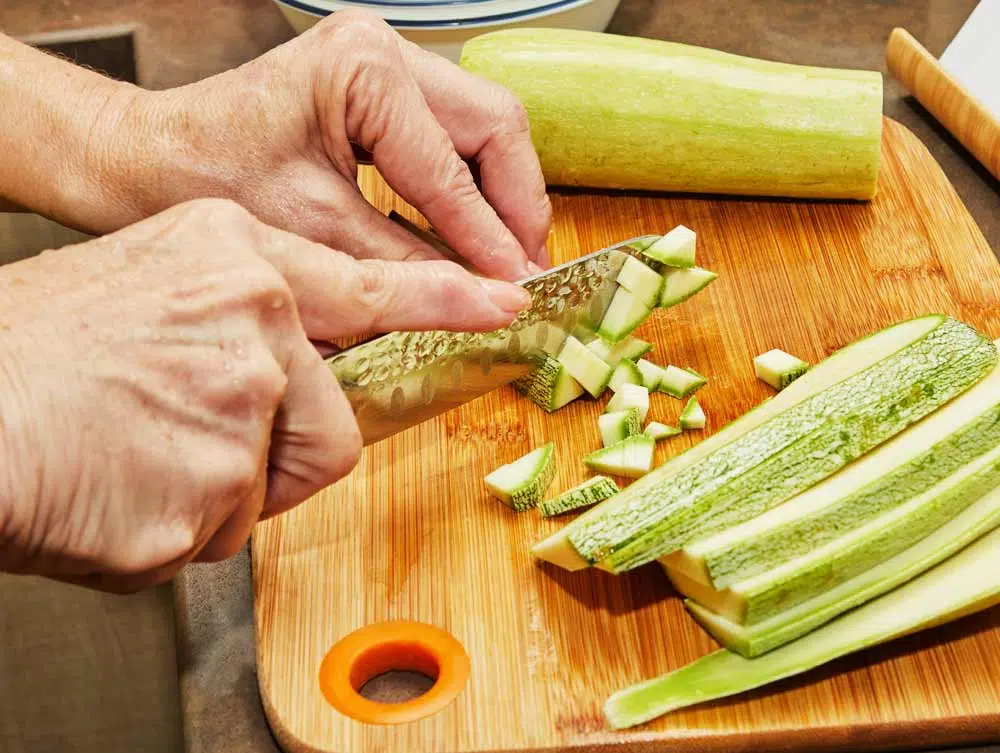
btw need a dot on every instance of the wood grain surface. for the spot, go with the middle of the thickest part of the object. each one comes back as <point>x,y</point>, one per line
<point>412,533</point>
<point>965,116</point>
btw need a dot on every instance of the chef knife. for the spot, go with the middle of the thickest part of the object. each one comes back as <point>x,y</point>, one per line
<point>400,379</point>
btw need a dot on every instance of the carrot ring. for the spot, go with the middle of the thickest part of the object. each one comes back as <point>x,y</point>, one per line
<point>393,645</point>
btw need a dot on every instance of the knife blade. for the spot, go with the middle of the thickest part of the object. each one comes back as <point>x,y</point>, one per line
<point>400,379</point>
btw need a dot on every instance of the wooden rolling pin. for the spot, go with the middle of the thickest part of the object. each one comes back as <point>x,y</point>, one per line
<point>965,117</point>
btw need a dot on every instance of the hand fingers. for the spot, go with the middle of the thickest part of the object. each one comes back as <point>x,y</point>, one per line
<point>338,296</point>
<point>385,113</point>
<point>315,439</point>
<point>356,225</point>
<point>486,122</point>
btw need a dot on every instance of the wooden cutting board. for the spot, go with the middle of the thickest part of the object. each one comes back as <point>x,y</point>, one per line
<point>412,534</point>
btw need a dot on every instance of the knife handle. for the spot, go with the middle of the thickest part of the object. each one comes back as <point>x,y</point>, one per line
<point>965,117</point>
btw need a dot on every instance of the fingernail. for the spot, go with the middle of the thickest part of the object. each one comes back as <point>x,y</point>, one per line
<point>544,260</point>
<point>506,296</point>
<point>533,269</point>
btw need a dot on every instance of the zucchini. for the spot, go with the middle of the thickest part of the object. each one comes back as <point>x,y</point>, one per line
<point>584,366</point>
<point>590,492</point>
<point>630,396</point>
<point>763,596</point>
<point>629,348</point>
<point>675,249</point>
<point>659,431</point>
<point>624,314</point>
<point>626,372</point>
<point>650,372</point>
<point>680,284</point>
<point>967,582</point>
<point>680,383</point>
<point>619,425</point>
<point>632,457</point>
<point>622,112</point>
<point>981,517</point>
<point>644,283</point>
<point>692,417</point>
<point>905,466</point>
<point>521,484</point>
<point>549,386</point>
<point>778,368</point>
<point>849,403</point>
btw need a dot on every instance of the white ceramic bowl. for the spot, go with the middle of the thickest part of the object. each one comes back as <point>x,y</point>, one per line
<point>443,27</point>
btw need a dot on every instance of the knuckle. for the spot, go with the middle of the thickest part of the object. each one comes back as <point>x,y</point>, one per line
<point>374,290</point>
<point>512,115</point>
<point>359,26</point>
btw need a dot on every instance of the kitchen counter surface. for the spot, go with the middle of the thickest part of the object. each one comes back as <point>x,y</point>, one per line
<point>181,40</point>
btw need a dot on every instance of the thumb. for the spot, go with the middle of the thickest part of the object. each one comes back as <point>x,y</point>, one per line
<point>338,296</point>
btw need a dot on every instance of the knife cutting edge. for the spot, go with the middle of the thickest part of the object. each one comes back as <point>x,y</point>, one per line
<point>400,379</point>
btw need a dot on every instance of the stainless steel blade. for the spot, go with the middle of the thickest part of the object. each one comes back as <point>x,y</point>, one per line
<point>398,380</point>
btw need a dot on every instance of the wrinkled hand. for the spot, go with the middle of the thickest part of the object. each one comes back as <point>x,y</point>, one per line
<point>159,393</point>
<point>276,136</point>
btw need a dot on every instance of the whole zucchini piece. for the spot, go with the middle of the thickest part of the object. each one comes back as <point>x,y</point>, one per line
<point>619,112</point>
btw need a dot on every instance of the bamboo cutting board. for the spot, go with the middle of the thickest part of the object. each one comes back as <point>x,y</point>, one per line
<point>412,534</point>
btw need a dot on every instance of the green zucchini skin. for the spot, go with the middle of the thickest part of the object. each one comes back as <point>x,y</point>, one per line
<point>702,120</point>
<point>790,452</point>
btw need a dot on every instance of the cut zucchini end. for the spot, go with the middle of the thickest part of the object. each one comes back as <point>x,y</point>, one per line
<point>644,283</point>
<point>521,484</point>
<point>651,374</point>
<point>675,249</point>
<point>659,431</point>
<point>681,284</point>
<point>629,348</point>
<point>681,383</point>
<point>630,396</point>
<point>693,416</point>
<point>625,313</point>
<point>626,372</point>
<point>778,368</point>
<point>618,425</point>
<point>585,366</point>
<point>631,457</point>
<point>557,550</point>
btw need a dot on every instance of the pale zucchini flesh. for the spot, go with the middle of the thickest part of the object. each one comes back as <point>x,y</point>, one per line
<point>906,465</point>
<point>675,249</point>
<point>626,372</point>
<point>521,484</point>
<point>619,425</point>
<point>981,517</point>
<point>659,431</point>
<point>650,372</point>
<point>701,120</point>
<point>584,366</point>
<point>680,284</point>
<point>630,396</point>
<point>835,369</point>
<point>630,348</point>
<point>778,368</point>
<point>624,314</point>
<point>965,583</point>
<point>631,457</point>
<point>590,492</point>
<point>693,415</point>
<point>678,382</point>
<point>643,282</point>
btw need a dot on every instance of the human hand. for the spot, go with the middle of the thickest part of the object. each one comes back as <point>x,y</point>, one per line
<point>276,136</point>
<point>159,393</point>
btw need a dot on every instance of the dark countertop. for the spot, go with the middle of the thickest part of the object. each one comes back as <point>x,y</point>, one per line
<point>181,40</point>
